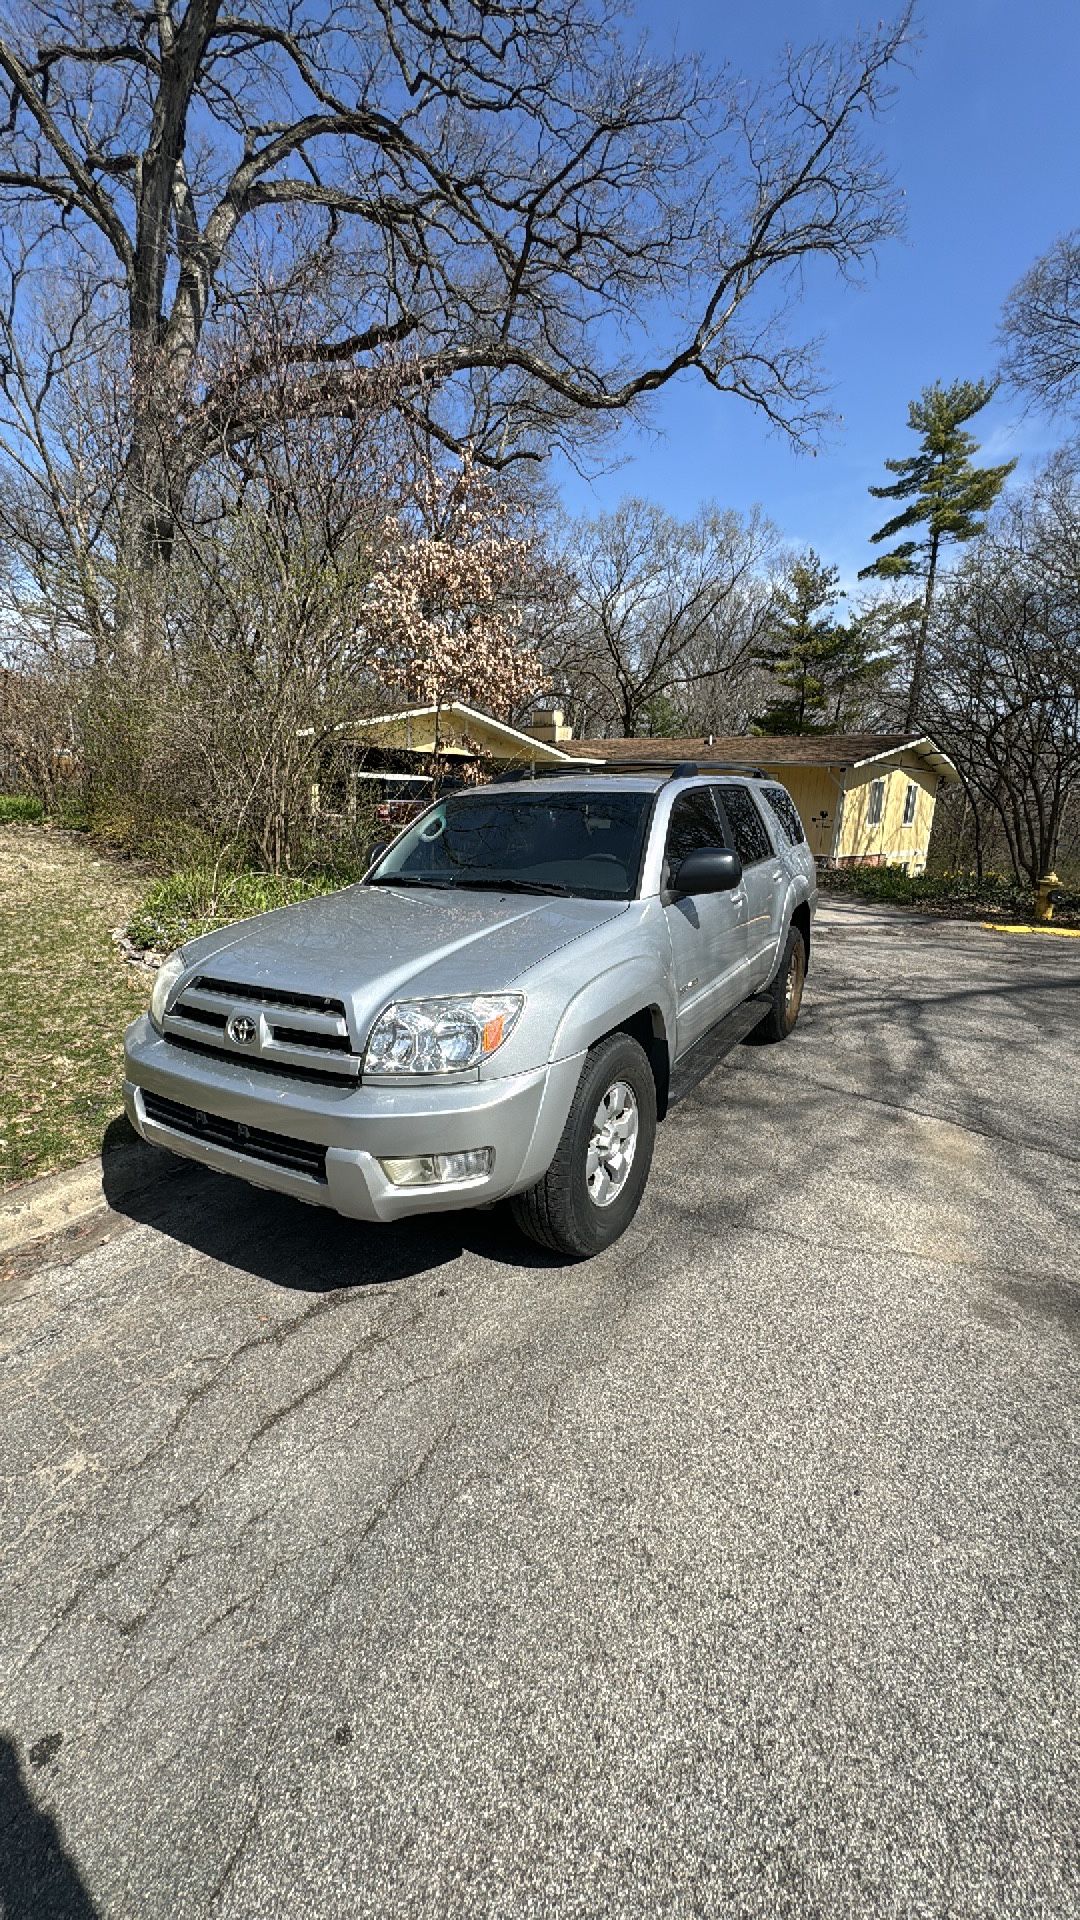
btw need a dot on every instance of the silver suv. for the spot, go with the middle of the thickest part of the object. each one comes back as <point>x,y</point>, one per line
<point>495,1010</point>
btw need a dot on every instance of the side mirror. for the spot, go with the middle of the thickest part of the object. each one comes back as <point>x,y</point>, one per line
<point>708,870</point>
<point>377,851</point>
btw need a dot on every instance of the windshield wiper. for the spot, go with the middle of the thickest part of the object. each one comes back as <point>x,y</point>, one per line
<point>518,886</point>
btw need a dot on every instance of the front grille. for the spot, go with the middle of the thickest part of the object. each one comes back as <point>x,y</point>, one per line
<point>272,996</point>
<point>256,1143</point>
<point>305,1035</point>
<point>234,1058</point>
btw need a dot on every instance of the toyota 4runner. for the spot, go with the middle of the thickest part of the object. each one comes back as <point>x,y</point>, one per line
<point>495,1011</point>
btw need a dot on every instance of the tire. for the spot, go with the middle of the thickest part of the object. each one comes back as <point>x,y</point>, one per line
<point>785,993</point>
<point>562,1211</point>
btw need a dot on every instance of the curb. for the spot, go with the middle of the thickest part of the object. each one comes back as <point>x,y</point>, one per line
<point>1001,926</point>
<point>39,1209</point>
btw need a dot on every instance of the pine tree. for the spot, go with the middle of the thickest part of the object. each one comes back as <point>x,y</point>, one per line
<point>863,669</point>
<point>804,648</point>
<point>947,496</point>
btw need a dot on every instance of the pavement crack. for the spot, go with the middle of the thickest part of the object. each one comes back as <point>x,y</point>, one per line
<point>939,1119</point>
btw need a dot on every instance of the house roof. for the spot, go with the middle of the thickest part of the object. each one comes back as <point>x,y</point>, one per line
<point>770,750</point>
<point>511,742</point>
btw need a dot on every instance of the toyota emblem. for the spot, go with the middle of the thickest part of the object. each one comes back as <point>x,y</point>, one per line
<point>241,1030</point>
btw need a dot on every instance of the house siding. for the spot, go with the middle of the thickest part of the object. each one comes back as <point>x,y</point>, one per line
<point>816,792</point>
<point>889,843</point>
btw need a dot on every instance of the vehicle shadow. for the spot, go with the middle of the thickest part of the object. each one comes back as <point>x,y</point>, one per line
<point>38,1878</point>
<point>277,1239</point>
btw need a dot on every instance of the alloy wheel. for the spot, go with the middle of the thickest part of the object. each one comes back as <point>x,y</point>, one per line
<point>612,1144</point>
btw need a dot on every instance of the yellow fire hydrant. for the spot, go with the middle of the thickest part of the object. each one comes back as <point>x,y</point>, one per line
<point>1044,896</point>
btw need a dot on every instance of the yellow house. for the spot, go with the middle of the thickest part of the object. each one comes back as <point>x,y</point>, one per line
<point>865,798</point>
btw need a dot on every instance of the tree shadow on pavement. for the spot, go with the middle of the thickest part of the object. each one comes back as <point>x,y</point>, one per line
<point>306,1249</point>
<point>38,1878</point>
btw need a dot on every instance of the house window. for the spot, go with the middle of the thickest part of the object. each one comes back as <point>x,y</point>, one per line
<point>911,801</point>
<point>875,804</point>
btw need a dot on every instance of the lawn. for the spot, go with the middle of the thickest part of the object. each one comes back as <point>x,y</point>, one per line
<point>65,996</point>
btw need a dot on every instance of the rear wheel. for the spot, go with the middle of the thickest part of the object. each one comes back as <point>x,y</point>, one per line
<point>593,1187</point>
<point>786,992</point>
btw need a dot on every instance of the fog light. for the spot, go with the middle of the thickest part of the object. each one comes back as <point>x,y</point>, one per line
<point>435,1169</point>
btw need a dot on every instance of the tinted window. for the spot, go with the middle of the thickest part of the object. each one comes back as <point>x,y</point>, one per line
<point>748,831</point>
<point>787,813</point>
<point>583,843</point>
<point>694,823</point>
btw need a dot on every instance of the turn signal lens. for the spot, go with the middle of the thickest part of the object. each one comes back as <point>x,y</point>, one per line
<point>493,1033</point>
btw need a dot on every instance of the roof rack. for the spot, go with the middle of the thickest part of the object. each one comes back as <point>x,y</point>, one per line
<point>683,770</point>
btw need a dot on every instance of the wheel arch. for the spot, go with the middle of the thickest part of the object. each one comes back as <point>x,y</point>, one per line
<point>648,1029</point>
<point>801,918</point>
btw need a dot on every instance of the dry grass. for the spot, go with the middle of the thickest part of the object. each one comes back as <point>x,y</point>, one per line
<point>65,996</point>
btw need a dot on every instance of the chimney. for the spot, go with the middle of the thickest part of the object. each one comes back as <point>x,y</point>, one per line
<point>549,727</point>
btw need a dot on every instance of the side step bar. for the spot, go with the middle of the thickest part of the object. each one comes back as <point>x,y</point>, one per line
<point>695,1065</point>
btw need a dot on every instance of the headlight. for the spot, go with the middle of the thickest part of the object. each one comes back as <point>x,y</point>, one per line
<point>167,977</point>
<point>440,1036</point>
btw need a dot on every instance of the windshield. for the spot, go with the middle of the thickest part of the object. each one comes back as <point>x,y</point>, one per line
<point>587,844</point>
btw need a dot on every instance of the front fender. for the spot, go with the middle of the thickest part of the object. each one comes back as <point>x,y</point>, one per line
<point>612,997</point>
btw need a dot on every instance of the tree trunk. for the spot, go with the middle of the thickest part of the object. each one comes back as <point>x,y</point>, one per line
<point>914,703</point>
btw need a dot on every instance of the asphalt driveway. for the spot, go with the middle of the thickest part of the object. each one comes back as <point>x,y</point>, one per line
<point>356,1572</point>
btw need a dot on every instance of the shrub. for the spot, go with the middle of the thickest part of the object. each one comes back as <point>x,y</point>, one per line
<point>995,893</point>
<point>185,904</point>
<point>20,806</point>
<point>69,811</point>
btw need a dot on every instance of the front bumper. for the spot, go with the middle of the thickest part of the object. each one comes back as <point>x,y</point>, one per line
<point>521,1116</point>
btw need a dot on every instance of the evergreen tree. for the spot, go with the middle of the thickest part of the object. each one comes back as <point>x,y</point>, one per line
<point>946,494</point>
<point>804,648</point>
<point>863,671</point>
<point>664,719</point>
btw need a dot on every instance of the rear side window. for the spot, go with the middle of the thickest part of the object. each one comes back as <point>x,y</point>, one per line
<point>694,823</point>
<point>787,814</point>
<point>748,829</point>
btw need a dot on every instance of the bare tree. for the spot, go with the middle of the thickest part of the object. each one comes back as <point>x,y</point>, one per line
<point>663,617</point>
<point>1004,675</point>
<point>1040,328</point>
<point>318,566</point>
<point>468,185</point>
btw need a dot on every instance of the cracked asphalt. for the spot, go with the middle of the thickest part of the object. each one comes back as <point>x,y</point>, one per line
<point>390,1572</point>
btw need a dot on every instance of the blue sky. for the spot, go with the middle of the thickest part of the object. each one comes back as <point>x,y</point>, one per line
<point>984,137</point>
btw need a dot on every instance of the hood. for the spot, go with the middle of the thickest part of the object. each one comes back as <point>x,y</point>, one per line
<point>367,946</point>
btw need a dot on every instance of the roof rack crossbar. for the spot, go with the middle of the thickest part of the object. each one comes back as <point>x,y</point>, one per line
<point>683,770</point>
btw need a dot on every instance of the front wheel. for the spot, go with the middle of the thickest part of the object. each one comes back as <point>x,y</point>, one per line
<point>785,994</point>
<point>593,1187</point>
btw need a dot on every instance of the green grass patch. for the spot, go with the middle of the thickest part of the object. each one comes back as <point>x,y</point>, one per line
<point>24,807</point>
<point>65,997</point>
<point>994,896</point>
<point>183,905</point>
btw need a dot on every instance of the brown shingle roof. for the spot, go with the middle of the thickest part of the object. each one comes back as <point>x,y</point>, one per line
<point>748,750</point>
